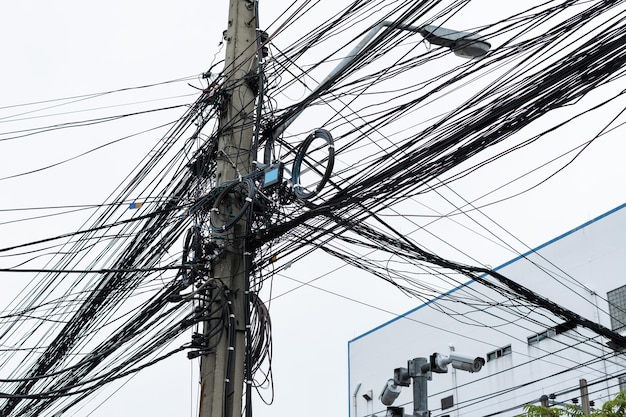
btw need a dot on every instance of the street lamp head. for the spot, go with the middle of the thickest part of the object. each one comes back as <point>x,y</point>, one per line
<point>464,44</point>
<point>472,49</point>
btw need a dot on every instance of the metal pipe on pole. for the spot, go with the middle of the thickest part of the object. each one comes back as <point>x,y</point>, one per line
<point>222,369</point>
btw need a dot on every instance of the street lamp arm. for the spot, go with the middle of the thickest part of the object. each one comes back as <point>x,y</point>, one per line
<point>463,44</point>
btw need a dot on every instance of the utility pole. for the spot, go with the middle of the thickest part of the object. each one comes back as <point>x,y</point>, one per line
<point>584,396</point>
<point>222,369</point>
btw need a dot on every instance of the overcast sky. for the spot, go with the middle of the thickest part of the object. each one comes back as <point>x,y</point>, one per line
<point>69,48</point>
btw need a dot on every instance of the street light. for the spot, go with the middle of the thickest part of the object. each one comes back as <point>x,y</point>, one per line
<point>463,44</point>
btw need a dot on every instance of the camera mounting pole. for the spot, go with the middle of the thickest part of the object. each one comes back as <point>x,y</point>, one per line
<point>420,371</point>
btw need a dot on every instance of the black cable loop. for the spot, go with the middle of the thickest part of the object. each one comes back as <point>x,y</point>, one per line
<point>297,164</point>
<point>192,246</point>
<point>244,208</point>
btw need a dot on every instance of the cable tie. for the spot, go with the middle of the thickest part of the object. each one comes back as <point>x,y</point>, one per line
<point>247,253</point>
<point>248,199</point>
<point>231,348</point>
<point>227,380</point>
<point>331,146</point>
<point>232,316</point>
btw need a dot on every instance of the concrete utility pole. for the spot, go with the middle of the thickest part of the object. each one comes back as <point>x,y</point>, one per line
<point>222,371</point>
<point>584,396</point>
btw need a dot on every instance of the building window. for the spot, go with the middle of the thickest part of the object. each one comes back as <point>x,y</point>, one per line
<point>540,336</point>
<point>499,353</point>
<point>447,402</point>
<point>617,308</point>
<point>551,332</point>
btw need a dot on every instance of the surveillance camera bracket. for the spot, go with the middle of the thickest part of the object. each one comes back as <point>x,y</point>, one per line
<point>401,377</point>
<point>420,367</point>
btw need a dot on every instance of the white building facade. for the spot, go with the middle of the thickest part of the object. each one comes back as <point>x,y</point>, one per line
<point>529,352</point>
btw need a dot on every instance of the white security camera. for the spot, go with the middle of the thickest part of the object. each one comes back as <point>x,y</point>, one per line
<point>466,362</point>
<point>389,393</point>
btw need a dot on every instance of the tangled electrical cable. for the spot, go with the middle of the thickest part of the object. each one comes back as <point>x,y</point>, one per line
<point>238,193</point>
<point>385,157</point>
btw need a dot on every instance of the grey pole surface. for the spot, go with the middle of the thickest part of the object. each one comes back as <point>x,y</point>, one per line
<point>222,371</point>
<point>584,396</point>
<point>419,371</point>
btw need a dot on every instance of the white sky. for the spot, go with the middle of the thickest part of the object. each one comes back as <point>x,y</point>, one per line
<point>67,48</point>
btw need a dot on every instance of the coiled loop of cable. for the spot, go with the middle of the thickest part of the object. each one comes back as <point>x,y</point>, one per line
<point>246,202</point>
<point>193,253</point>
<point>296,174</point>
